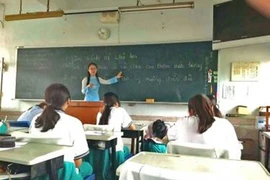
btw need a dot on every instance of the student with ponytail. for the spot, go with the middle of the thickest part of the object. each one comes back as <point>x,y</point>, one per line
<point>54,121</point>
<point>116,117</point>
<point>202,127</point>
<point>214,105</point>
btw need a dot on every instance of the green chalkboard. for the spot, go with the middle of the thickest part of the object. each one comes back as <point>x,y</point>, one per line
<point>165,72</point>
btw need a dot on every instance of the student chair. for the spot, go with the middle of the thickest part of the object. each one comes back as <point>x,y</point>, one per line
<point>194,149</point>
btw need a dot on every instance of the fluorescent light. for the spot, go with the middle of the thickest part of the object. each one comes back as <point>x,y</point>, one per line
<point>34,15</point>
<point>162,6</point>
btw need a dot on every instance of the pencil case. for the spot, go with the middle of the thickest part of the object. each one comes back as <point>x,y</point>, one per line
<point>7,141</point>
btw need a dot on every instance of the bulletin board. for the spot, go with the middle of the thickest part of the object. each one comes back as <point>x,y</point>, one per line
<point>245,71</point>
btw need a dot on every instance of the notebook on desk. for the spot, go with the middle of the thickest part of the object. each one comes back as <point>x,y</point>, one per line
<point>39,138</point>
<point>92,127</point>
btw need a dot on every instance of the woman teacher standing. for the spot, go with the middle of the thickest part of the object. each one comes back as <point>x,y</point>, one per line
<point>91,83</point>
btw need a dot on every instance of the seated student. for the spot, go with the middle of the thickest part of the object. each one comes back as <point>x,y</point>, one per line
<point>54,121</point>
<point>213,103</point>
<point>125,148</point>
<point>155,143</point>
<point>202,127</point>
<point>118,118</point>
<point>32,112</point>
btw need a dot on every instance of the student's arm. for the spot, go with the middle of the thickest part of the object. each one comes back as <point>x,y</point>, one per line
<point>149,131</point>
<point>78,163</point>
<point>98,118</point>
<point>22,116</point>
<point>80,146</point>
<point>172,134</point>
<point>165,140</point>
<point>132,127</point>
<point>127,121</point>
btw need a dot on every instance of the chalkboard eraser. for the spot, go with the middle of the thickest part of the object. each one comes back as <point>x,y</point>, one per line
<point>150,100</point>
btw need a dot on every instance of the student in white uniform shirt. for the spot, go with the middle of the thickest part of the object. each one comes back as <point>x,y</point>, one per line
<point>54,121</point>
<point>117,117</point>
<point>202,127</point>
<point>32,112</point>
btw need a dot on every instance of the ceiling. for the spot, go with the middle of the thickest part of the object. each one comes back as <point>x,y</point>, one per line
<point>74,6</point>
<point>92,5</point>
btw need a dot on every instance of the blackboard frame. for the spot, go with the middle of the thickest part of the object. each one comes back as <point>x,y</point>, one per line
<point>213,88</point>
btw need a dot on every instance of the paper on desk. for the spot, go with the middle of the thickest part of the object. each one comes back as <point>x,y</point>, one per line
<point>104,133</point>
<point>93,127</point>
<point>39,138</point>
<point>94,133</point>
<point>22,135</point>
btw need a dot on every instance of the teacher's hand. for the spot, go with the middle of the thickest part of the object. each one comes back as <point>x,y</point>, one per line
<point>90,85</point>
<point>119,75</point>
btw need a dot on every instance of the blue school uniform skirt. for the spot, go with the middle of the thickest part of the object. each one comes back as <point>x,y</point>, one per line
<point>68,172</point>
<point>101,162</point>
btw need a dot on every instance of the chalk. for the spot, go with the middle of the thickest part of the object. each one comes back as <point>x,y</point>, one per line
<point>148,100</point>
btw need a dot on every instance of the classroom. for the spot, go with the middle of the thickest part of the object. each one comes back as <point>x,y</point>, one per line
<point>79,27</point>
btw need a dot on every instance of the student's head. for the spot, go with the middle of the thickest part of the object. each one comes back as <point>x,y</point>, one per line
<point>57,97</point>
<point>110,100</point>
<point>159,129</point>
<point>199,105</point>
<point>92,69</point>
<point>213,103</point>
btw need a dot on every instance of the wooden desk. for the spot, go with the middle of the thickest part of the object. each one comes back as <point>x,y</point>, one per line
<point>135,135</point>
<point>41,158</point>
<point>189,167</point>
<point>85,111</point>
<point>110,141</point>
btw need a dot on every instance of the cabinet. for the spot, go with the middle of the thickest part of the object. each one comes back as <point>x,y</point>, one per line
<point>235,20</point>
<point>248,149</point>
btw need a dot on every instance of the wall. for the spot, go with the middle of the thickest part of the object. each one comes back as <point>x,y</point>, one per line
<point>134,28</point>
<point>251,94</point>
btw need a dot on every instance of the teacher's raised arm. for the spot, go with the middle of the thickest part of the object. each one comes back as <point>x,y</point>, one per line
<point>91,83</point>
